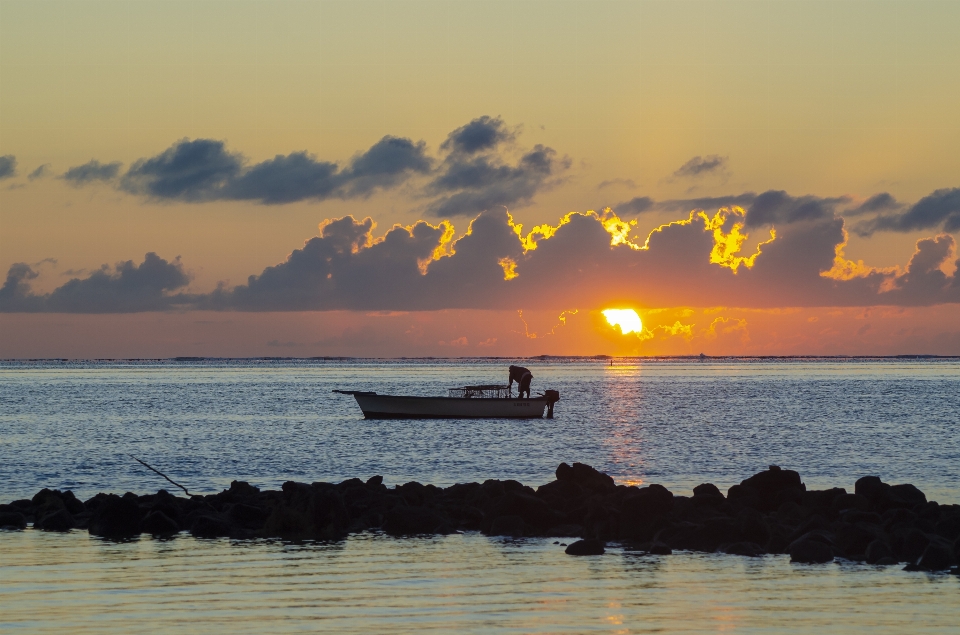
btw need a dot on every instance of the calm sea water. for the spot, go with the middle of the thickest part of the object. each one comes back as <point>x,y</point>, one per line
<point>675,422</point>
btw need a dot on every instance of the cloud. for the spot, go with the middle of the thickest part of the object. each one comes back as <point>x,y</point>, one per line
<point>636,206</point>
<point>91,171</point>
<point>479,168</point>
<point>777,207</point>
<point>709,202</point>
<point>40,172</point>
<point>629,183</point>
<point>188,170</point>
<point>476,175</point>
<point>481,134</point>
<point>124,288</point>
<point>939,209</point>
<point>8,166</point>
<point>924,276</point>
<point>876,203</point>
<point>700,166</point>
<point>470,184</point>
<point>773,207</point>
<point>792,256</point>
<point>204,170</point>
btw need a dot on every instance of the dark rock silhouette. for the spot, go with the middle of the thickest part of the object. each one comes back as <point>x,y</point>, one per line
<point>811,551</point>
<point>771,512</point>
<point>159,524</point>
<point>59,520</point>
<point>586,547</point>
<point>114,516</point>
<point>935,558</point>
<point>12,520</point>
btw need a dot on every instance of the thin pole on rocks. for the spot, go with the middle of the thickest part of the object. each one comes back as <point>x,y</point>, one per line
<point>149,467</point>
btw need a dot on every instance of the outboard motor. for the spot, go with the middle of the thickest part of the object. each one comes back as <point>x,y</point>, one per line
<point>553,397</point>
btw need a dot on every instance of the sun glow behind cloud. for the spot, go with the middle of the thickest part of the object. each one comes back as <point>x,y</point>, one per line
<point>626,319</point>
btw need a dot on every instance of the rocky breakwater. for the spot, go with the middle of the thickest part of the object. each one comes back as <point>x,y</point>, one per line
<point>769,513</point>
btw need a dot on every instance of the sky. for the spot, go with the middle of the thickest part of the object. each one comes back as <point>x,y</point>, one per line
<point>478,178</point>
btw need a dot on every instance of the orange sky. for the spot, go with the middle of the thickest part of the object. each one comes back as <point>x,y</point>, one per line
<point>245,143</point>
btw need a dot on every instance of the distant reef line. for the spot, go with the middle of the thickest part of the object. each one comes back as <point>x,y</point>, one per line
<point>496,358</point>
<point>771,512</point>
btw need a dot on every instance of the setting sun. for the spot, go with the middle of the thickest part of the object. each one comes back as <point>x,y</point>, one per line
<point>626,319</point>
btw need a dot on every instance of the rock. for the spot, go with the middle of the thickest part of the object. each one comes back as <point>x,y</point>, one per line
<point>241,490</point>
<point>707,490</point>
<point>59,520</point>
<point>913,545</point>
<point>854,516</point>
<point>870,487</point>
<point>676,534</point>
<point>744,496</point>
<point>566,531</point>
<point>907,493</point>
<point>405,520</point>
<point>886,561</point>
<point>806,550</point>
<point>12,520</point>
<point>657,548</point>
<point>935,558</point>
<point>533,510</point>
<point>750,549</point>
<point>850,501</point>
<point>852,540</point>
<point>790,513</point>
<point>248,515</point>
<point>929,511</point>
<point>792,495</point>
<point>645,502</point>
<point>771,483</point>
<point>816,523</point>
<point>586,547</point>
<point>375,481</point>
<point>210,526</point>
<point>307,511</point>
<point>512,526</point>
<point>115,517</point>
<point>413,493</point>
<point>897,517</point>
<point>949,527</point>
<point>878,550</point>
<point>584,476</point>
<point>159,524</point>
<point>821,500</point>
<point>780,538</point>
<point>712,534</point>
<point>752,526</point>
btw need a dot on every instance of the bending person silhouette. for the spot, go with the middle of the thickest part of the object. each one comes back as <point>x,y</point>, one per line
<point>523,378</point>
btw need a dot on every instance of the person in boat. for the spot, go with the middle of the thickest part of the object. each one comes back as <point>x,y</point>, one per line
<point>523,377</point>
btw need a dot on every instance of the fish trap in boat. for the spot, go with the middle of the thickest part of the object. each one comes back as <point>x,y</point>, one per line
<point>481,392</point>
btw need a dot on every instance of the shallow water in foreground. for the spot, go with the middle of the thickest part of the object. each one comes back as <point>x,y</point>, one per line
<point>459,583</point>
<point>680,423</point>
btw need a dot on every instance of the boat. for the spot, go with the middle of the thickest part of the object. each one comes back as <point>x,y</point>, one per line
<point>465,402</point>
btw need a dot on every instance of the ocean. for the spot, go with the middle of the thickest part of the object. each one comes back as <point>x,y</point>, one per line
<point>677,422</point>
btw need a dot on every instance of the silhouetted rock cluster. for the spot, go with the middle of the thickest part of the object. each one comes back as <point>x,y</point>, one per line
<point>770,512</point>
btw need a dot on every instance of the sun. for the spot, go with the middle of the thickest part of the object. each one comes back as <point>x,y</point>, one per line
<point>626,319</point>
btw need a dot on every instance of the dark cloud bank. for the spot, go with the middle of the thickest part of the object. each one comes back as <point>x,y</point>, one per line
<point>8,166</point>
<point>939,210</point>
<point>479,167</point>
<point>479,171</point>
<point>350,266</point>
<point>701,166</point>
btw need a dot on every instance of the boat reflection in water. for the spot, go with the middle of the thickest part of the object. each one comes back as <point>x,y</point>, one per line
<point>466,402</point>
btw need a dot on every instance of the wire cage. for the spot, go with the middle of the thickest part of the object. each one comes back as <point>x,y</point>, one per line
<point>490,391</point>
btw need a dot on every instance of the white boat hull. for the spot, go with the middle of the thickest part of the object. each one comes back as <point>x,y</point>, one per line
<point>376,406</point>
